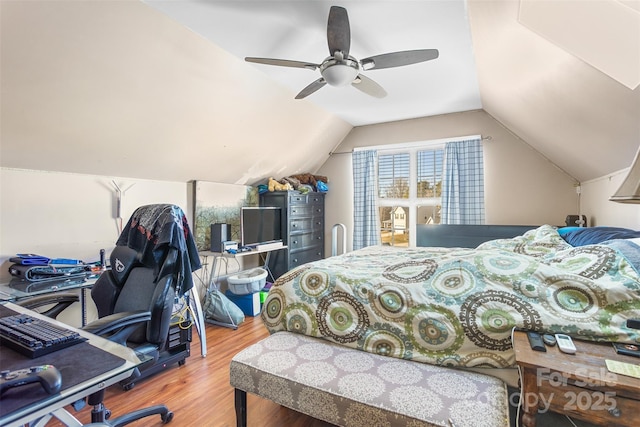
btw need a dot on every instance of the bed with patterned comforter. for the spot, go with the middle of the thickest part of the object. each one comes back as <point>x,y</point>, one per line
<point>457,307</point>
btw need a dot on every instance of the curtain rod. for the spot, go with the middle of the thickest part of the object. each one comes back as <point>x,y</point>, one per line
<point>331,153</point>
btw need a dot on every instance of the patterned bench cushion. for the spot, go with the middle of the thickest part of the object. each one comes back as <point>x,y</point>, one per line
<point>353,388</point>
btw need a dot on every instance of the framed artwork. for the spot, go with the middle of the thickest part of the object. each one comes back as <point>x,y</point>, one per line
<point>219,203</point>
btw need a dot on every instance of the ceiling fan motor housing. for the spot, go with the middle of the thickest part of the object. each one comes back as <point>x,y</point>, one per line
<point>339,72</point>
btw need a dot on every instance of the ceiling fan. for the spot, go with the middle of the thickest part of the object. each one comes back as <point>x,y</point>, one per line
<point>341,69</point>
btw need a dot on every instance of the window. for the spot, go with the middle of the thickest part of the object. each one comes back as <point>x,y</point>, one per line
<point>409,192</point>
<point>393,176</point>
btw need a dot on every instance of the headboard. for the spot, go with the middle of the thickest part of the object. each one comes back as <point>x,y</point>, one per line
<point>465,236</point>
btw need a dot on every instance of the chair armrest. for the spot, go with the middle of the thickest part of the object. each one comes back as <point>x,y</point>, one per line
<point>62,300</point>
<point>118,326</point>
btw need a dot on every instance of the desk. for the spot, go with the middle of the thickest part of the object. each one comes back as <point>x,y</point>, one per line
<point>209,277</point>
<point>219,257</point>
<point>18,289</point>
<point>40,407</point>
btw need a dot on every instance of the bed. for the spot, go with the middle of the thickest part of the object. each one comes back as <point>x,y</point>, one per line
<point>457,306</point>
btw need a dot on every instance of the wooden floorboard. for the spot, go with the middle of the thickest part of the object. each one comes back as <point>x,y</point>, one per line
<point>198,392</point>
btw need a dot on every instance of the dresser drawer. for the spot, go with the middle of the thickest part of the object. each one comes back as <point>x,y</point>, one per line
<point>316,199</point>
<point>297,211</point>
<point>305,224</point>
<point>298,199</point>
<point>303,257</point>
<point>304,240</point>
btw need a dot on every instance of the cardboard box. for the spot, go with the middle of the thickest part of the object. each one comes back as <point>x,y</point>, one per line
<point>249,304</point>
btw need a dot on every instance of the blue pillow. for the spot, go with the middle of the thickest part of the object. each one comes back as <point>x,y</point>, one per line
<point>564,230</point>
<point>594,235</point>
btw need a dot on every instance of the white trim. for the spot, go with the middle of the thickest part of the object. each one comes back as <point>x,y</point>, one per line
<point>416,144</point>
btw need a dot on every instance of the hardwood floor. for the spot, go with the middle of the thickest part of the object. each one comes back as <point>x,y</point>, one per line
<point>198,392</point>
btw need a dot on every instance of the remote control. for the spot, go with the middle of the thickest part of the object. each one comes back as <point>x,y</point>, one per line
<point>535,341</point>
<point>47,375</point>
<point>549,340</point>
<point>565,344</point>
<point>633,323</point>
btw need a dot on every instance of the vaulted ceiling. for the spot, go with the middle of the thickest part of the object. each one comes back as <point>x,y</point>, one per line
<point>160,89</point>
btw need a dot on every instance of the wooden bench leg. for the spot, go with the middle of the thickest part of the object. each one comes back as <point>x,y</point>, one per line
<point>241,407</point>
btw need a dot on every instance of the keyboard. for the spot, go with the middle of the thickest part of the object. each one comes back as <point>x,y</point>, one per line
<point>33,337</point>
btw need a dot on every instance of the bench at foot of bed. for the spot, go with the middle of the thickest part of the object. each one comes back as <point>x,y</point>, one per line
<point>351,388</point>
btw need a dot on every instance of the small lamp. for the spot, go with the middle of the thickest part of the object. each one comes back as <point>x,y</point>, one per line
<point>629,191</point>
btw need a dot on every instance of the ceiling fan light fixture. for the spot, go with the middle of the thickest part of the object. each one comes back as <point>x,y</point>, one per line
<point>339,74</point>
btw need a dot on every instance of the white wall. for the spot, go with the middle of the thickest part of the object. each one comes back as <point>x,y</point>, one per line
<point>600,210</point>
<point>521,186</point>
<point>62,215</point>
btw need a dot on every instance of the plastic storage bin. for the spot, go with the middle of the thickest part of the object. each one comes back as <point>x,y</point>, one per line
<point>247,282</point>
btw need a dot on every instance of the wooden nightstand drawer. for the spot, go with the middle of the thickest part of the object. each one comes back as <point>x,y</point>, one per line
<point>599,406</point>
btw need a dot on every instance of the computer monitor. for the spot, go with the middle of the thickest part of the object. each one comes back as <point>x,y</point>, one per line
<point>260,225</point>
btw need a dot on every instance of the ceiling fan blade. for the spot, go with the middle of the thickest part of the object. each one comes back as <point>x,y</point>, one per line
<point>368,86</point>
<point>282,62</point>
<point>397,59</point>
<point>338,31</point>
<point>314,86</point>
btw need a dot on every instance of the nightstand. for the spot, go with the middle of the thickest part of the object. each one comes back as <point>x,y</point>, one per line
<point>578,385</point>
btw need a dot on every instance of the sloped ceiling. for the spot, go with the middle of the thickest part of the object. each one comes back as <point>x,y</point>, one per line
<point>584,121</point>
<point>122,89</point>
<point>116,88</point>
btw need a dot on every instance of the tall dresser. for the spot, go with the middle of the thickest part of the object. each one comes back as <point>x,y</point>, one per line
<point>302,228</point>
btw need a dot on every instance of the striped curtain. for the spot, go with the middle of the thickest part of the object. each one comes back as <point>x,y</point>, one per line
<point>366,222</point>
<point>463,183</point>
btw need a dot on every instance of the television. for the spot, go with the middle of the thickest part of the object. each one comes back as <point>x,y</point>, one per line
<point>260,225</point>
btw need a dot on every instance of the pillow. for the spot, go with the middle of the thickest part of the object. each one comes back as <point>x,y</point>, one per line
<point>594,235</point>
<point>564,230</point>
<point>629,248</point>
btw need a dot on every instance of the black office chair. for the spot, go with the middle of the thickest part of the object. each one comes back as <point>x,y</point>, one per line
<point>150,266</point>
<point>134,309</point>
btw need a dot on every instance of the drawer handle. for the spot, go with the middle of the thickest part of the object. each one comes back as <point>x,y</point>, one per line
<point>616,412</point>
<point>295,242</point>
<point>319,238</point>
<point>294,225</point>
<point>295,260</point>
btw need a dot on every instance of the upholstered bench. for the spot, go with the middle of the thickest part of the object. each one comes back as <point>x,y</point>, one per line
<point>351,388</point>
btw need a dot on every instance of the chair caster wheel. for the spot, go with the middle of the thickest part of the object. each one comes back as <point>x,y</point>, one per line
<point>182,362</point>
<point>128,387</point>
<point>166,418</point>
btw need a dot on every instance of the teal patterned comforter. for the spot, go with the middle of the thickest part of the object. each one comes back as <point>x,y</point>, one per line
<point>457,307</point>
